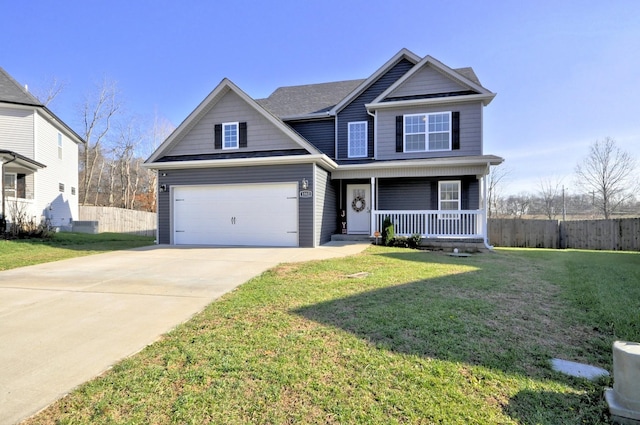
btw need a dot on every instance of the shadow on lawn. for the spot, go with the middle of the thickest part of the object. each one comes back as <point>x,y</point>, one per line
<point>530,407</point>
<point>444,317</point>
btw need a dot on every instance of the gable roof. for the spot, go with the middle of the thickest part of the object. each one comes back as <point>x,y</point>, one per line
<point>12,92</point>
<point>307,100</point>
<point>208,103</point>
<point>464,76</point>
<point>402,54</point>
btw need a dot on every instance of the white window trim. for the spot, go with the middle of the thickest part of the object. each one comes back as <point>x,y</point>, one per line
<point>237,142</point>
<point>59,145</point>
<point>366,139</point>
<point>426,132</point>
<point>449,216</point>
<point>15,184</point>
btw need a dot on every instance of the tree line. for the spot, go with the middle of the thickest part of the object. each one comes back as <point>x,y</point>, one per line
<point>607,179</point>
<point>117,143</point>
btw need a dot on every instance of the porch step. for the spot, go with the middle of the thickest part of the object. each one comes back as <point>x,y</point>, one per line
<point>351,238</point>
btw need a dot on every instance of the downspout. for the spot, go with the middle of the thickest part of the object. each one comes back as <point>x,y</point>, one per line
<point>374,185</point>
<point>486,210</point>
<point>4,216</point>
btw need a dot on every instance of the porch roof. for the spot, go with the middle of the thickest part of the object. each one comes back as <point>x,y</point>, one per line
<point>9,157</point>
<point>432,167</point>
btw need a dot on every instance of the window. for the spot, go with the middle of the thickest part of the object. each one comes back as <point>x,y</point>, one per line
<point>427,132</point>
<point>61,187</point>
<point>449,197</point>
<point>230,135</point>
<point>10,184</point>
<point>73,190</point>
<point>357,139</point>
<point>59,146</point>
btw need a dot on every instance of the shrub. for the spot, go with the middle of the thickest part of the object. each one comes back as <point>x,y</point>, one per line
<point>414,241</point>
<point>388,231</point>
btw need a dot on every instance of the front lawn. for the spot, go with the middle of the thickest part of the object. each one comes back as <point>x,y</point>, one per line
<point>421,338</point>
<point>26,252</point>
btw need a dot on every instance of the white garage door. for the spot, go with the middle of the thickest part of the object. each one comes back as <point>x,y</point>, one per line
<point>248,215</point>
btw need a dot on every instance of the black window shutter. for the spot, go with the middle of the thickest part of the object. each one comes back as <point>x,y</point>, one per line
<point>399,133</point>
<point>434,196</point>
<point>455,130</point>
<point>242,135</point>
<point>217,136</point>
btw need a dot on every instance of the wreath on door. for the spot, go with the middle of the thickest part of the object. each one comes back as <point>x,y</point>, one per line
<point>358,204</point>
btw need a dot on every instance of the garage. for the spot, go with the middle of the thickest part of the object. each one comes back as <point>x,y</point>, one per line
<point>236,215</point>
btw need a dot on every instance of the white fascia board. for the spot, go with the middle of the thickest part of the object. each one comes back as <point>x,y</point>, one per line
<point>484,98</point>
<point>431,162</point>
<point>322,160</point>
<point>404,53</point>
<point>314,116</point>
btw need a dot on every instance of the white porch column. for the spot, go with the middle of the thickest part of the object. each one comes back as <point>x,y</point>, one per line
<point>373,207</point>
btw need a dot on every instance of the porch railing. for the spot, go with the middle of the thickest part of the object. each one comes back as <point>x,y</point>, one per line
<point>442,224</point>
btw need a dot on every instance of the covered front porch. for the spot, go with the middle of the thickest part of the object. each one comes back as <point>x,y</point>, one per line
<point>442,201</point>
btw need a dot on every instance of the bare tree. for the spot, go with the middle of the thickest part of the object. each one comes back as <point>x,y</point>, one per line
<point>607,174</point>
<point>518,205</point>
<point>52,89</point>
<point>497,180</point>
<point>97,113</point>
<point>550,192</point>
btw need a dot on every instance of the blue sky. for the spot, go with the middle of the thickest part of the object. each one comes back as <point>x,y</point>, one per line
<point>566,72</point>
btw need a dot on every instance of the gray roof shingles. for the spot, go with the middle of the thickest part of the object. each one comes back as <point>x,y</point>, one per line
<point>12,92</point>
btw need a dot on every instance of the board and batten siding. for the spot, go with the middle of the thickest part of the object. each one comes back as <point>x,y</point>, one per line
<point>355,111</point>
<point>17,131</point>
<point>427,81</point>
<point>322,134</point>
<point>470,131</point>
<point>60,207</point>
<point>326,207</point>
<point>262,135</point>
<point>237,175</point>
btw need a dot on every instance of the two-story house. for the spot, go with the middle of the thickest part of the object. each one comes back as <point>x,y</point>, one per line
<point>39,159</point>
<point>312,161</point>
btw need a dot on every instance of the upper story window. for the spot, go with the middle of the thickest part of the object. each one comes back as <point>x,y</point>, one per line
<point>230,135</point>
<point>59,146</point>
<point>357,139</point>
<point>10,184</point>
<point>427,132</point>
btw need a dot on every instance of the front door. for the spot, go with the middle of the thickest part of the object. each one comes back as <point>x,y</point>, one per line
<point>358,209</point>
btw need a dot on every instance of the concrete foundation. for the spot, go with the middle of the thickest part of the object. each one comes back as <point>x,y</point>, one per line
<point>624,398</point>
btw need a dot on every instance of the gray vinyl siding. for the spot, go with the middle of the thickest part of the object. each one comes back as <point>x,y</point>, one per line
<point>356,111</point>
<point>326,210</point>
<point>262,135</point>
<point>322,134</point>
<point>427,81</point>
<point>237,175</point>
<point>422,193</point>
<point>470,131</point>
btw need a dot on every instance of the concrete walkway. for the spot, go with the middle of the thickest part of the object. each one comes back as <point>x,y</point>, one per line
<point>66,322</point>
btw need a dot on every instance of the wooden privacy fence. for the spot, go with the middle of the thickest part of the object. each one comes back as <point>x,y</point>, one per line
<point>120,220</point>
<point>614,234</point>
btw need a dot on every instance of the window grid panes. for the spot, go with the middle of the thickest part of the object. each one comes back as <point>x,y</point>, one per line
<point>230,136</point>
<point>450,195</point>
<point>358,139</point>
<point>434,128</point>
<point>10,184</point>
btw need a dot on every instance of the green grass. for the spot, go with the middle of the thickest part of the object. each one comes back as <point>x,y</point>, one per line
<point>26,252</point>
<point>424,338</point>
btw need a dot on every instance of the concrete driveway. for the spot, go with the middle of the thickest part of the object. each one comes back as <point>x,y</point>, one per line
<point>66,322</point>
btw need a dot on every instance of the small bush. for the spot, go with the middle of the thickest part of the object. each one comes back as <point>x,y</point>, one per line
<point>414,241</point>
<point>388,232</point>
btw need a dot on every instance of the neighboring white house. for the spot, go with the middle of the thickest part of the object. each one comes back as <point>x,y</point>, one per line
<point>39,158</point>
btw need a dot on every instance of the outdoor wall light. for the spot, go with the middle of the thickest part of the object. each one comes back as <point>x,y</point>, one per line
<point>305,184</point>
<point>163,188</point>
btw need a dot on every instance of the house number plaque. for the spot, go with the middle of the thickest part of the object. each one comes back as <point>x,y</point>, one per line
<point>306,193</point>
